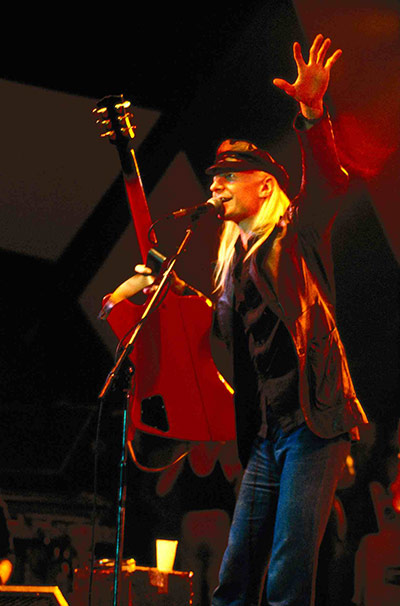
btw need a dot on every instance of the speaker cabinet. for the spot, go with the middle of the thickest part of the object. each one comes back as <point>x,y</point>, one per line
<point>31,595</point>
<point>141,586</point>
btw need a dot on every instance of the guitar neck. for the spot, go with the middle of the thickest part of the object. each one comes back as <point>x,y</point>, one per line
<point>138,204</point>
<point>114,117</point>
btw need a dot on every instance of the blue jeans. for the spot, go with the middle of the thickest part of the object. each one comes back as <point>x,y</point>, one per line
<point>280,518</point>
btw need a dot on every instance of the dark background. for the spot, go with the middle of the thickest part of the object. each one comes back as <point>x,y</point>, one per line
<point>194,75</point>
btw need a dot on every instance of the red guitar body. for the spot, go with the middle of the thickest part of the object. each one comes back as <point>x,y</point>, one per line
<point>177,390</point>
<point>178,393</point>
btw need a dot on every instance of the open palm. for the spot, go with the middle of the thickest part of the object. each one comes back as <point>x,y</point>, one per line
<point>312,77</point>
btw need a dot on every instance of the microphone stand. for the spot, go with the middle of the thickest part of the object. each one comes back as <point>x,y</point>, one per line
<point>113,374</point>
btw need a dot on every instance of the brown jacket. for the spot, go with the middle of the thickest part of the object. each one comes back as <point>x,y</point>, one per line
<point>295,274</point>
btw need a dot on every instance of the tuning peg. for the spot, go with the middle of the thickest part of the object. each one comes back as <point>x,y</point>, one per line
<point>122,106</point>
<point>108,133</point>
<point>127,128</point>
<point>103,111</point>
<point>114,118</point>
<point>106,128</point>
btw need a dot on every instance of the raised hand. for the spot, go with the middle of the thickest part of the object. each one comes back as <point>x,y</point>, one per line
<point>312,77</point>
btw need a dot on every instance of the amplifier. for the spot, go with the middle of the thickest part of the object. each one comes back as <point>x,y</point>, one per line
<point>139,586</point>
<point>31,595</point>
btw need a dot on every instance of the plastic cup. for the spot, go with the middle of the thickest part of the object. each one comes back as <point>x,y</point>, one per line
<point>165,553</point>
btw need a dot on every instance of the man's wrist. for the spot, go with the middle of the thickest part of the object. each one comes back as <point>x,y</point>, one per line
<point>312,113</point>
<point>302,123</point>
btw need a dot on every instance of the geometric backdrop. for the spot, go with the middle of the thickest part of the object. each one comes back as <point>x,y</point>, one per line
<point>194,76</point>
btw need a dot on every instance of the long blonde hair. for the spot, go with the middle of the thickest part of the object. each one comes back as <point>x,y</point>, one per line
<point>265,220</point>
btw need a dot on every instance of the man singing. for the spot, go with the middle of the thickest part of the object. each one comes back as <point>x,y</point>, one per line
<point>296,407</point>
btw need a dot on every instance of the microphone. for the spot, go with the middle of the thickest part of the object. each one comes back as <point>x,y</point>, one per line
<point>214,205</point>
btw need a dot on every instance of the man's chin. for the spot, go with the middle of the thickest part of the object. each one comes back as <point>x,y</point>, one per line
<point>228,214</point>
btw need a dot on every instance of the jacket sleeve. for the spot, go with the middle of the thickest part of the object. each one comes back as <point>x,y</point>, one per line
<point>324,180</point>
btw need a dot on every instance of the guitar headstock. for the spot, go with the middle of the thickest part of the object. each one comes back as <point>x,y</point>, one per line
<point>115,119</point>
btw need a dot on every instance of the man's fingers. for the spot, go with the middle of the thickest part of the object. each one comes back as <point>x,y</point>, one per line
<point>316,45</point>
<point>142,269</point>
<point>333,58</point>
<point>297,54</point>
<point>323,50</point>
<point>149,290</point>
<point>285,86</point>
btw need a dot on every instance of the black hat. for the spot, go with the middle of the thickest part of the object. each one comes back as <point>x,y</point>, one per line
<point>238,156</point>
